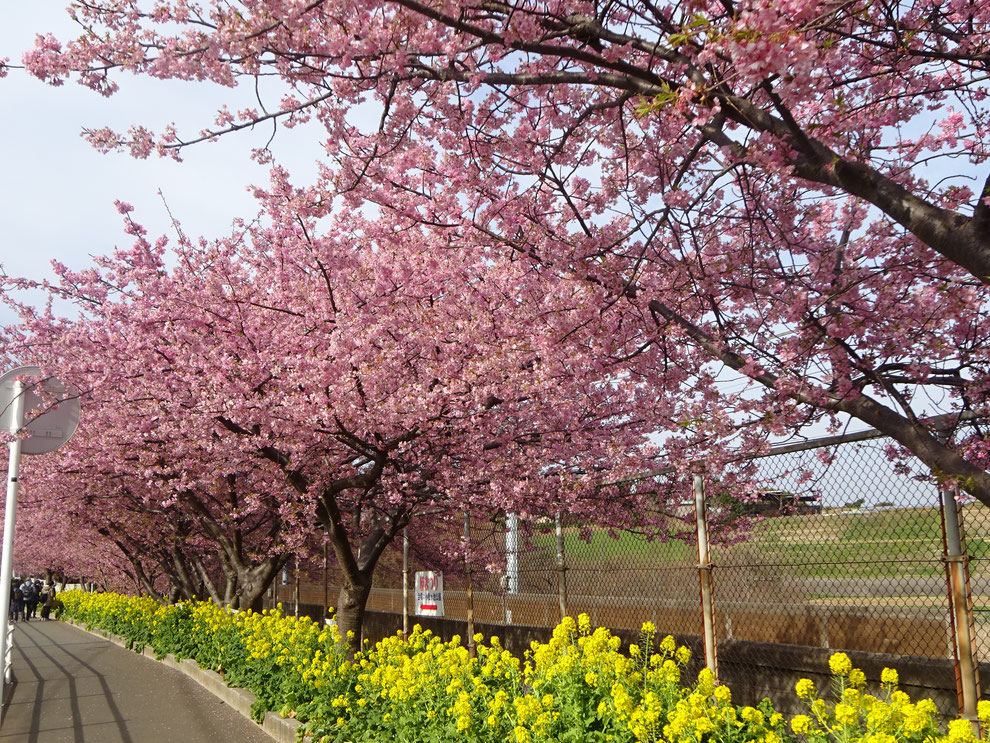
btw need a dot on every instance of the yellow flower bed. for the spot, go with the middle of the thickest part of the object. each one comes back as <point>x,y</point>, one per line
<point>577,687</point>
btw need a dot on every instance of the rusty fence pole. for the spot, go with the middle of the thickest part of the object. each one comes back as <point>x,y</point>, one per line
<point>961,616</point>
<point>561,568</point>
<point>470,600</point>
<point>405,583</point>
<point>705,575</point>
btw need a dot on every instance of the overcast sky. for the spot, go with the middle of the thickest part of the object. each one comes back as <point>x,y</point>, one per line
<point>57,193</point>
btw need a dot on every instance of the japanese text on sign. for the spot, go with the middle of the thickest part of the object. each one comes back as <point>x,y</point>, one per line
<point>429,593</point>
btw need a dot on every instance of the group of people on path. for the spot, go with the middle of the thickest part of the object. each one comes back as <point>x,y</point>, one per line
<point>25,597</point>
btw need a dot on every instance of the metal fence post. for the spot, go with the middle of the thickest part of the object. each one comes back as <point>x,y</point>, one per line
<point>961,606</point>
<point>405,583</point>
<point>470,600</point>
<point>510,581</point>
<point>705,575</point>
<point>561,568</point>
<point>512,553</point>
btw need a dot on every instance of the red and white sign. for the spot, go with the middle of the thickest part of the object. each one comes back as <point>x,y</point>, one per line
<point>429,593</point>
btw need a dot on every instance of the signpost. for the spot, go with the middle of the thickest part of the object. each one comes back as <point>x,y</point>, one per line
<point>47,410</point>
<point>429,593</point>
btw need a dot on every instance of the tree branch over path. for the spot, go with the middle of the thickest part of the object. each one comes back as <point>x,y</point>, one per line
<point>584,211</point>
<point>940,458</point>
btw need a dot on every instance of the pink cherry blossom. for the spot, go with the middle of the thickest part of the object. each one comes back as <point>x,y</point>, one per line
<point>551,201</point>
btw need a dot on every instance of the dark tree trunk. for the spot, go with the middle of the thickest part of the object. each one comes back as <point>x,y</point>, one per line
<point>205,580</point>
<point>352,601</point>
<point>358,570</point>
<point>183,577</point>
<point>253,581</point>
<point>247,578</point>
<point>139,576</point>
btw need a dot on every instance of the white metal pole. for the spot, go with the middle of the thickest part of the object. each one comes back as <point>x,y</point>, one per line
<point>472,650</point>
<point>295,596</point>
<point>10,513</point>
<point>512,553</point>
<point>405,582</point>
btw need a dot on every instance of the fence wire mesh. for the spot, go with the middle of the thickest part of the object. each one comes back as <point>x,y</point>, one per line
<point>846,550</point>
<point>849,555</point>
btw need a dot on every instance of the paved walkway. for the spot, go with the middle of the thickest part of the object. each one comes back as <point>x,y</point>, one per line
<point>70,686</point>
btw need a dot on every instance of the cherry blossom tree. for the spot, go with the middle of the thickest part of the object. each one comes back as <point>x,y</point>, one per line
<point>201,542</point>
<point>51,542</point>
<point>134,483</point>
<point>351,372</point>
<point>796,192</point>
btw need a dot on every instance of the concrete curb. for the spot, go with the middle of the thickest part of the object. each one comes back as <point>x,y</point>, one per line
<point>280,729</point>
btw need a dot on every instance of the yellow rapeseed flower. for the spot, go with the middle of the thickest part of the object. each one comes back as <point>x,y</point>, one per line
<point>805,688</point>
<point>801,724</point>
<point>839,664</point>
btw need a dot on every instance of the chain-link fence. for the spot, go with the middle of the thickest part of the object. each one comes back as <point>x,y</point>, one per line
<point>855,553</point>
<point>847,549</point>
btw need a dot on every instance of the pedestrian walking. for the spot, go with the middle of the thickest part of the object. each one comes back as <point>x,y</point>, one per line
<point>47,600</point>
<point>38,585</point>
<point>30,596</point>
<point>16,603</point>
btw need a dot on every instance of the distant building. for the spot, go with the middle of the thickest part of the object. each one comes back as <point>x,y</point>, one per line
<point>767,503</point>
<point>782,503</point>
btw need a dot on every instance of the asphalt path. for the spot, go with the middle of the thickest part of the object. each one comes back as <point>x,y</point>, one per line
<point>70,686</point>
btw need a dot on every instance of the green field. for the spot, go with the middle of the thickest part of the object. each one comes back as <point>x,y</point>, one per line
<point>625,546</point>
<point>836,543</point>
